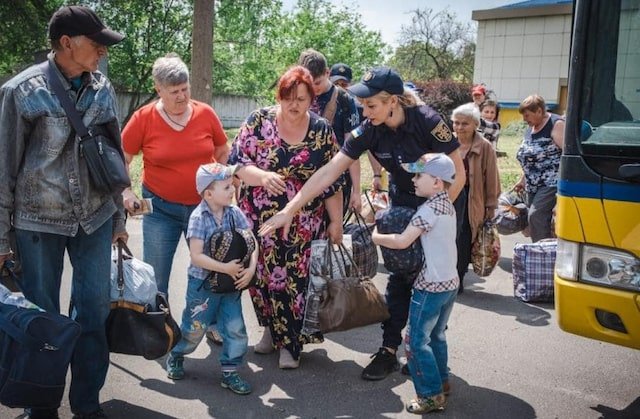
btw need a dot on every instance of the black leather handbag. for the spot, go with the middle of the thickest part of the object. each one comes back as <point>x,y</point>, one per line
<point>140,329</point>
<point>103,157</point>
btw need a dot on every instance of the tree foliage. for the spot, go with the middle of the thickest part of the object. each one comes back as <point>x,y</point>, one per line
<point>254,40</point>
<point>435,46</point>
<point>23,25</point>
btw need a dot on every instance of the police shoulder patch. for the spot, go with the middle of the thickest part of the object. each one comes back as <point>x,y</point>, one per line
<point>442,132</point>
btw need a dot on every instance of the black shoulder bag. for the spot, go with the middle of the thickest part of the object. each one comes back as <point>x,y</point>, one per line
<point>104,159</point>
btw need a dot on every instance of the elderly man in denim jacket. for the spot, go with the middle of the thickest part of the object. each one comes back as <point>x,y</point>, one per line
<point>47,197</point>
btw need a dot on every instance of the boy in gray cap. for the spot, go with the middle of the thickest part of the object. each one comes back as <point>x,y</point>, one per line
<point>48,198</point>
<point>435,287</point>
<point>214,182</point>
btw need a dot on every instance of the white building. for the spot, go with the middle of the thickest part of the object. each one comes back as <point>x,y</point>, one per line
<point>523,48</point>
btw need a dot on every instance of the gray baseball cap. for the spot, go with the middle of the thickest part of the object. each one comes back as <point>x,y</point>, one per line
<point>436,164</point>
<point>210,172</point>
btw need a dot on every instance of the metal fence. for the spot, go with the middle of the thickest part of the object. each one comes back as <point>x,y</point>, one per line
<point>231,109</point>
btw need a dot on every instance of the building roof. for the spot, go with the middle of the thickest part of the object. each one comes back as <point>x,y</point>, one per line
<point>526,8</point>
<point>535,3</point>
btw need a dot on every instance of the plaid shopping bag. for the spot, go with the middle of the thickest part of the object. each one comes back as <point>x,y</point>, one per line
<point>533,265</point>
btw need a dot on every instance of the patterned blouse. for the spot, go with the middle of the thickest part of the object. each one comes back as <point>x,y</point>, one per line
<point>539,157</point>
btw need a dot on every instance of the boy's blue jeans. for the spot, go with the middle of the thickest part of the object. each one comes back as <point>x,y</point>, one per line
<point>42,257</point>
<point>203,307</point>
<point>425,342</point>
<point>161,231</point>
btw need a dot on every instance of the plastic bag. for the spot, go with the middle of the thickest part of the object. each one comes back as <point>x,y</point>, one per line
<point>512,212</point>
<point>373,202</point>
<point>485,250</point>
<point>139,280</point>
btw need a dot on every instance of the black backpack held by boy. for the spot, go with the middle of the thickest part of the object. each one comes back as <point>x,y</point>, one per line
<point>407,261</point>
<point>225,246</point>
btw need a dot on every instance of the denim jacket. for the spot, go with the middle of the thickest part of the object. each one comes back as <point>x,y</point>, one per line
<point>45,185</point>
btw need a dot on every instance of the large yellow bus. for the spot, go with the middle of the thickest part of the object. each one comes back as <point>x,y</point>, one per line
<point>597,275</point>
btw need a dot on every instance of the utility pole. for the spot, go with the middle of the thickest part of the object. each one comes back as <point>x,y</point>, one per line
<point>202,51</point>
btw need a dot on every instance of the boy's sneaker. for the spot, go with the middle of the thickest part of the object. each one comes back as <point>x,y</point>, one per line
<point>175,370</point>
<point>421,405</point>
<point>235,383</point>
<point>383,364</point>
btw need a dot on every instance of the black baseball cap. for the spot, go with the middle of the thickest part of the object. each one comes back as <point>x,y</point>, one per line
<point>376,80</point>
<point>340,71</point>
<point>80,20</point>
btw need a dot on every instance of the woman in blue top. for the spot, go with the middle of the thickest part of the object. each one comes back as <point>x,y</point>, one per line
<point>398,129</point>
<point>539,156</point>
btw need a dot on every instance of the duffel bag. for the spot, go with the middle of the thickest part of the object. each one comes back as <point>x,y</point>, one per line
<point>35,351</point>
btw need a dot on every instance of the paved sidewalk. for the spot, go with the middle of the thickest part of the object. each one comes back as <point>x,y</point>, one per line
<point>508,359</point>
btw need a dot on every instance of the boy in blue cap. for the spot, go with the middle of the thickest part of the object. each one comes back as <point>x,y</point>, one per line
<point>435,287</point>
<point>214,182</point>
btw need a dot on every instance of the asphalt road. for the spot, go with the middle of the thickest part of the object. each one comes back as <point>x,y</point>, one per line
<point>508,359</point>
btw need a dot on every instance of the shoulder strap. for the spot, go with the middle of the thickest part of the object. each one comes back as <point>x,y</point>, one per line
<point>330,110</point>
<point>63,97</point>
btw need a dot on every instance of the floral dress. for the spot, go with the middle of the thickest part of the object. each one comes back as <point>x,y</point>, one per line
<point>279,293</point>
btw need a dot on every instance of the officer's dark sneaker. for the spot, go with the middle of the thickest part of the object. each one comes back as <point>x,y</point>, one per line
<point>383,364</point>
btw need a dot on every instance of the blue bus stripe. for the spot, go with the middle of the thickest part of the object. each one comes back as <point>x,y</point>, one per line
<point>630,193</point>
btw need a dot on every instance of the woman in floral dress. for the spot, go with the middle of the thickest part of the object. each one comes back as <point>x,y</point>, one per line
<point>278,149</point>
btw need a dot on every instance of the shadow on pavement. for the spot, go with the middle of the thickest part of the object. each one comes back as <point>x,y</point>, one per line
<point>467,401</point>
<point>505,264</point>
<point>505,305</point>
<point>321,387</point>
<point>120,409</point>
<point>330,389</point>
<point>630,412</point>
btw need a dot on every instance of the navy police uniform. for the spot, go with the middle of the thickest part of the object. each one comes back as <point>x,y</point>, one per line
<point>423,131</point>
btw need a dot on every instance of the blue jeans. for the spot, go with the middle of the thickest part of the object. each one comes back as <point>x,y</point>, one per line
<point>398,292</point>
<point>425,343</point>
<point>202,308</point>
<point>90,255</point>
<point>161,232</point>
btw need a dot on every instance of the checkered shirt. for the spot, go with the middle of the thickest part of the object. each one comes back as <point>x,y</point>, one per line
<point>441,206</point>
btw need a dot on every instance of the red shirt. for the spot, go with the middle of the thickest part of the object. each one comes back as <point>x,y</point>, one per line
<point>171,158</point>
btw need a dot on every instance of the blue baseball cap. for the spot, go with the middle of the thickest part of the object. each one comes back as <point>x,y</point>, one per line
<point>436,164</point>
<point>340,71</point>
<point>376,80</point>
<point>210,172</point>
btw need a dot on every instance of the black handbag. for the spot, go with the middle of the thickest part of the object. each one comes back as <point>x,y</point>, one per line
<point>35,352</point>
<point>225,246</point>
<point>104,159</point>
<point>140,329</point>
<point>407,261</point>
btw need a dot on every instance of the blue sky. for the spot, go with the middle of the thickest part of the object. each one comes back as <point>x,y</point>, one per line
<point>387,16</point>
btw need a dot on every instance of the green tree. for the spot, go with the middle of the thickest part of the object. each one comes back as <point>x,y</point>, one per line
<point>153,28</point>
<point>435,46</point>
<point>253,41</point>
<point>23,25</point>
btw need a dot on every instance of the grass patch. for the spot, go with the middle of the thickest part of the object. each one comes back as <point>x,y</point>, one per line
<point>508,166</point>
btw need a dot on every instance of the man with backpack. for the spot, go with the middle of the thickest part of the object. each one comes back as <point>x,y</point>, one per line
<point>339,108</point>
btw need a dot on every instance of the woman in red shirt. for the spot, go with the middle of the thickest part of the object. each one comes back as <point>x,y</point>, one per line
<point>175,135</point>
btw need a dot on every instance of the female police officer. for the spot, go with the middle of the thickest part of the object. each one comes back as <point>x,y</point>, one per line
<point>399,129</point>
